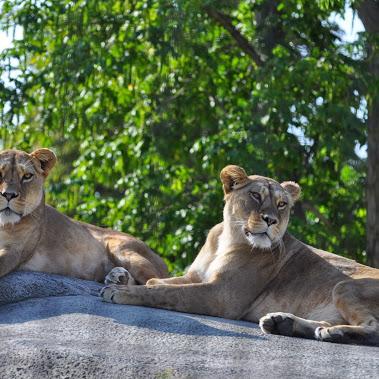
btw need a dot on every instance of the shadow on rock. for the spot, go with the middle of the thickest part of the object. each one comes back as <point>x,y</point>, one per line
<point>68,299</point>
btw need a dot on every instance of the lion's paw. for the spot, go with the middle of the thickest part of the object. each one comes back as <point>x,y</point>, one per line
<point>331,334</point>
<point>117,294</point>
<point>119,275</point>
<point>153,282</point>
<point>107,293</point>
<point>277,323</point>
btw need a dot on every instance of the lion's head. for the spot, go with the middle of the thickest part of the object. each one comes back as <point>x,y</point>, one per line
<point>21,182</point>
<point>257,208</point>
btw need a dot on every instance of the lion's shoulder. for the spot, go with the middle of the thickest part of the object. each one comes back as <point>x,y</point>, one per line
<point>344,265</point>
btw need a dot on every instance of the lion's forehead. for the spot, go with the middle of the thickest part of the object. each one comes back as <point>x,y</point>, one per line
<point>265,186</point>
<point>16,159</point>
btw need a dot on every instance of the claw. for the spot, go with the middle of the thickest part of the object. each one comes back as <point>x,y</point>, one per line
<point>107,293</point>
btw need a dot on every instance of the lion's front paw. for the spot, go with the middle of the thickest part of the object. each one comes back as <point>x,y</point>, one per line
<point>107,293</point>
<point>277,323</point>
<point>119,275</point>
<point>117,294</point>
<point>153,282</point>
<point>331,334</point>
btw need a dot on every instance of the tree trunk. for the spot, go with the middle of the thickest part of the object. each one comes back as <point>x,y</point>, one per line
<point>368,11</point>
<point>373,180</point>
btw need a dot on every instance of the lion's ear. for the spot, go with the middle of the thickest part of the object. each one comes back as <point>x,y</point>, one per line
<point>293,189</point>
<point>233,177</point>
<point>46,158</point>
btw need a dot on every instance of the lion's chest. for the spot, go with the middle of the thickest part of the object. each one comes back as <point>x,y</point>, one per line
<point>209,266</point>
<point>38,262</point>
<point>7,239</point>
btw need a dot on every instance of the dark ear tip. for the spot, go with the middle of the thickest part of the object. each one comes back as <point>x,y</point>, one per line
<point>232,170</point>
<point>224,171</point>
<point>46,157</point>
<point>230,167</point>
<point>44,152</point>
<point>293,189</point>
<point>47,152</point>
<point>231,176</point>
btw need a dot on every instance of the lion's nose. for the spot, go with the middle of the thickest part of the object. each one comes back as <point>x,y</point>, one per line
<point>269,220</point>
<point>9,195</point>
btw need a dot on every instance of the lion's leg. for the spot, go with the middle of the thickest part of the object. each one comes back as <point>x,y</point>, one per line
<point>357,302</point>
<point>287,324</point>
<point>200,298</point>
<point>141,268</point>
<point>136,268</point>
<point>367,335</point>
<point>185,279</point>
<point>9,260</point>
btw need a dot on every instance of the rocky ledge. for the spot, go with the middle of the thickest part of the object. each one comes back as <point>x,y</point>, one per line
<point>53,326</point>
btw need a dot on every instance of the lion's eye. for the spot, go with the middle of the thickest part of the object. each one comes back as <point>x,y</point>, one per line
<point>27,176</point>
<point>282,204</point>
<point>255,195</point>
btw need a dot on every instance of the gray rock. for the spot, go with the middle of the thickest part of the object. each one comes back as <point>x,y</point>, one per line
<point>66,331</point>
<point>23,285</point>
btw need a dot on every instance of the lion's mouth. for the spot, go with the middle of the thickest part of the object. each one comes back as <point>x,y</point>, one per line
<point>260,240</point>
<point>249,233</point>
<point>8,211</point>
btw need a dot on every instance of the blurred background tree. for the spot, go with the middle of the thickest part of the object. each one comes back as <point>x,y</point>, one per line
<point>144,102</point>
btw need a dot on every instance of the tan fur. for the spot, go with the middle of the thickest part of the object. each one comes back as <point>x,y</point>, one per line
<point>251,267</point>
<point>35,236</point>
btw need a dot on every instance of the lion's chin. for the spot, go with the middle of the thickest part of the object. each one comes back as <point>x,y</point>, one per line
<point>9,217</point>
<point>259,240</point>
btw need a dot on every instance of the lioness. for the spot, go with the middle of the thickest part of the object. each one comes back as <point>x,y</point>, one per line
<point>35,236</point>
<point>250,266</point>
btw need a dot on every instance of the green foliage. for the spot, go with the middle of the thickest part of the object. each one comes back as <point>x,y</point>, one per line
<point>145,102</point>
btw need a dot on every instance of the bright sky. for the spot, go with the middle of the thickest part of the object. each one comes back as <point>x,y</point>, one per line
<point>349,23</point>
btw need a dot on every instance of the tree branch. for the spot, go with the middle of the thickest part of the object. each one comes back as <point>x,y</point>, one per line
<point>226,22</point>
<point>368,11</point>
<point>310,207</point>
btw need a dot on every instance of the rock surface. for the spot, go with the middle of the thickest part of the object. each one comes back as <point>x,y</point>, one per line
<point>52,326</point>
